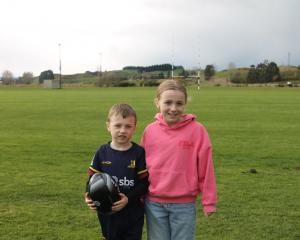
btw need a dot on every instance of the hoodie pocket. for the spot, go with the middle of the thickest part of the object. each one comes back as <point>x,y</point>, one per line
<point>170,184</point>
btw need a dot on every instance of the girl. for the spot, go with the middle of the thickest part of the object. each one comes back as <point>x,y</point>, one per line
<point>180,166</point>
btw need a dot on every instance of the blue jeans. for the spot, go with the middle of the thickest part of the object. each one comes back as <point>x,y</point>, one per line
<point>170,221</point>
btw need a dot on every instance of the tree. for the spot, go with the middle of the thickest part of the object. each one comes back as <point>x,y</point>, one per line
<point>184,73</point>
<point>168,74</point>
<point>261,69</point>
<point>7,77</point>
<point>268,72</point>
<point>161,75</point>
<point>263,73</point>
<point>46,75</point>
<point>252,75</point>
<point>27,77</point>
<point>209,71</point>
<point>273,72</point>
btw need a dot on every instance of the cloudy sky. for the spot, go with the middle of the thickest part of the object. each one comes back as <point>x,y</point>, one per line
<point>118,33</point>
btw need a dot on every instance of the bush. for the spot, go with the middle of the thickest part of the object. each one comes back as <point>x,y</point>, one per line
<point>151,83</point>
<point>124,84</point>
<point>289,76</point>
<point>239,77</point>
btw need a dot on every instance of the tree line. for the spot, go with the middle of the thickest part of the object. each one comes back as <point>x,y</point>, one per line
<point>264,72</point>
<point>8,78</point>
<point>153,68</point>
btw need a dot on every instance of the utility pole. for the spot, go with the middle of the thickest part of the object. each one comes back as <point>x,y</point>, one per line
<point>59,46</point>
<point>100,67</point>
<point>172,57</point>
<point>199,66</point>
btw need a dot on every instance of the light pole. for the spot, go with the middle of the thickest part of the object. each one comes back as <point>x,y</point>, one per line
<point>100,66</point>
<point>199,66</point>
<point>172,57</point>
<point>59,47</point>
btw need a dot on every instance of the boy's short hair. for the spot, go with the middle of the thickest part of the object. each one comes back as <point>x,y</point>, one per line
<point>122,109</point>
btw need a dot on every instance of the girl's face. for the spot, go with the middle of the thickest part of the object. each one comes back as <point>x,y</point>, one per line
<point>171,105</point>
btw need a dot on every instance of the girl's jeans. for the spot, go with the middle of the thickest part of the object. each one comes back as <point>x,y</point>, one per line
<point>170,221</point>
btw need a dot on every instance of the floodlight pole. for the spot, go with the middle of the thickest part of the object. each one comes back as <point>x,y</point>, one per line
<point>59,46</point>
<point>172,71</point>
<point>199,79</point>
<point>199,73</point>
<point>199,65</point>
<point>100,66</point>
<point>172,57</point>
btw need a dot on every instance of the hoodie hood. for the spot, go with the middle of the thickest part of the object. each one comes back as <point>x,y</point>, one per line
<point>186,119</point>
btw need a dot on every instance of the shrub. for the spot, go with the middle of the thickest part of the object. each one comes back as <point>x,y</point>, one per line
<point>151,83</point>
<point>124,84</point>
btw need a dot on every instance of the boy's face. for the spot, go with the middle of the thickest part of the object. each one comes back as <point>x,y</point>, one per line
<point>121,129</point>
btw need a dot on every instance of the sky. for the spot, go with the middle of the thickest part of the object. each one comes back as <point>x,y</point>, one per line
<point>36,35</point>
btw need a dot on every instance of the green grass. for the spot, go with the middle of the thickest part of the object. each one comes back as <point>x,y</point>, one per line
<point>48,137</point>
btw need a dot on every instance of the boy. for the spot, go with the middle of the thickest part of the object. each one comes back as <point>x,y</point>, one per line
<point>124,161</point>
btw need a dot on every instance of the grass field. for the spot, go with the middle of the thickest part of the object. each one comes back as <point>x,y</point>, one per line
<point>48,137</point>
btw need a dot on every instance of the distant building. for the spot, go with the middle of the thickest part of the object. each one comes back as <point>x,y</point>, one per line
<point>51,84</point>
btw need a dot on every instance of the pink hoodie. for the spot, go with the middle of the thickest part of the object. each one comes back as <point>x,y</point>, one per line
<point>179,161</point>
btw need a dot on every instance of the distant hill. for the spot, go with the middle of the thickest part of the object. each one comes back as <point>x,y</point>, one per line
<point>134,74</point>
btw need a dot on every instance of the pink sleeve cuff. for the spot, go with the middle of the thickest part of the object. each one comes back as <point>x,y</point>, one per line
<point>209,208</point>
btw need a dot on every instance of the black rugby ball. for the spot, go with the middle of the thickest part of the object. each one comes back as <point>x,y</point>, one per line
<point>103,191</point>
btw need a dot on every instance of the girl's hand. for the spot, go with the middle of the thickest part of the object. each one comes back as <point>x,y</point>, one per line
<point>89,201</point>
<point>119,205</point>
<point>208,214</point>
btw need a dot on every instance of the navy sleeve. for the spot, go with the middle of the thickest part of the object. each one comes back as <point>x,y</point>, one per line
<point>141,168</point>
<point>96,162</point>
<point>140,189</point>
<point>95,166</point>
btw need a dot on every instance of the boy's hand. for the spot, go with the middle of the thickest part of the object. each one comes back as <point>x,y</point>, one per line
<point>119,205</point>
<point>89,201</point>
